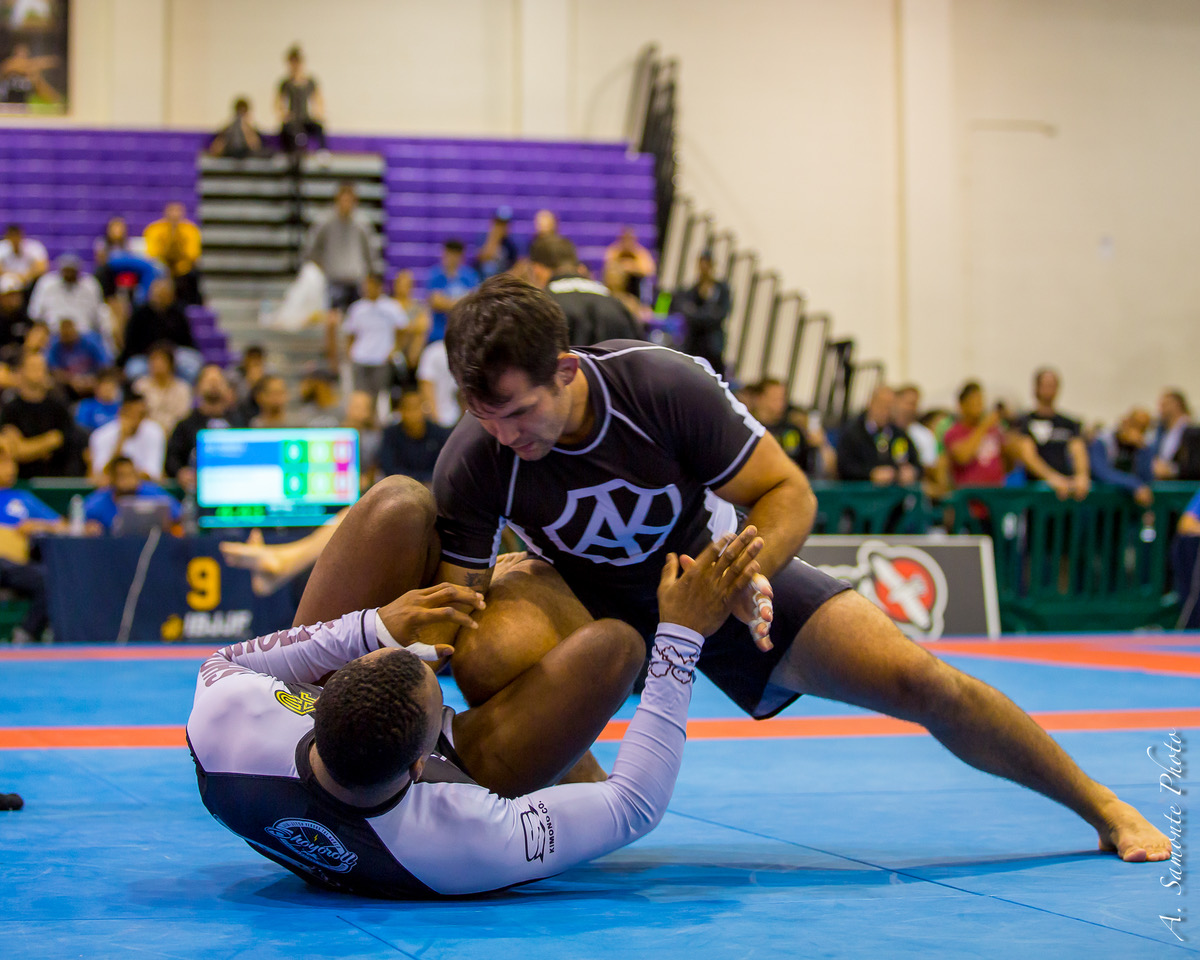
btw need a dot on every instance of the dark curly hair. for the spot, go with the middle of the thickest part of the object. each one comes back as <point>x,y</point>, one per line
<point>505,324</point>
<point>370,721</point>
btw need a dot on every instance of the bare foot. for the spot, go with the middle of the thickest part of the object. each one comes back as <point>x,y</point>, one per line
<point>1131,836</point>
<point>266,563</point>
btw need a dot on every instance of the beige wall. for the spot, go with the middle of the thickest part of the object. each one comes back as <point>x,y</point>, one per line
<point>971,187</point>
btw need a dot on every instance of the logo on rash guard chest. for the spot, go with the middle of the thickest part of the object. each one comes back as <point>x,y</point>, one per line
<point>315,843</point>
<point>615,522</point>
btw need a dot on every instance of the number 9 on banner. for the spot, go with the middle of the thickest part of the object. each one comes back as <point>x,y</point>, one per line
<point>204,579</point>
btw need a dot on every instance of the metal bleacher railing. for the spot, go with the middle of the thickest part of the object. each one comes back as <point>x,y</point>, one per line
<point>771,332</point>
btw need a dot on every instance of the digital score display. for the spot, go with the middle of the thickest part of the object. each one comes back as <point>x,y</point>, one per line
<point>275,477</point>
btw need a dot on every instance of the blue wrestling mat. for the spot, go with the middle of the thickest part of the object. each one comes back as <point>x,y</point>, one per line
<point>826,833</point>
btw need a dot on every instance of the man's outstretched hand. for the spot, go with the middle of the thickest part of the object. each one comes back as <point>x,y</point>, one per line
<point>704,594</point>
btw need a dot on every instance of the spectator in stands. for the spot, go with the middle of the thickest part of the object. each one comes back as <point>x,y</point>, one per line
<point>271,395</point>
<point>448,282</point>
<point>102,407</point>
<point>1050,445</point>
<point>545,224</point>
<point>320,405</point>
<point>14,320</point>
<point>800,435</point>
<point>1185,564</point>
<point>114,242</point>
<point>705,307</point>
<point>238,139</point>
<point>132,434</point>
<point>160,318</point>
<point>25,258</point>
<point>412,339</point>
<point>375,326</point>
<point>175,241</point>
<point>215,410</point>
<point>873,448</point>
<point>168,398</point>
<point>905,410</point>
<point>635,260</point>
<point>23,515</point>
<point>411,445</point>
<point>249,372</point>
<point>64,292</point>
<point>38,424</point>
<point>341,246</point>
<point>593,313</point>
<point>1174,418</point>
<point>37,340</point>
<point>300,106</point>
<point>74,361</point>
<point>975,443</point>
<point>1114,455</point>
<point>360,415</point>
<point>498,253</point>
<point>123,482</point>
<point>437,386</point>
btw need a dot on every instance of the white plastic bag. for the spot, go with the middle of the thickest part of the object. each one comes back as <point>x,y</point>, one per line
<point>304,302</point>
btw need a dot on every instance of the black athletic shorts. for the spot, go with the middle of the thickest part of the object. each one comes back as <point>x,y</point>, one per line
<point>729,658</point>
<point>341,295</point>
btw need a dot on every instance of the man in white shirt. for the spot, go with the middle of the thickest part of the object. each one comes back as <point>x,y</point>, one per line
<point>132,434</point>
<point>22,256</point>
<point>438,389</point>
<point>356,781</point>
<point>66,292</point>
<point>373,324</point>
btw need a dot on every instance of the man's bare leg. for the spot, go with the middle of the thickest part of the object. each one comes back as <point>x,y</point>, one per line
<point>537,729</point>
<point>850,651</point>
<point>529,612</point>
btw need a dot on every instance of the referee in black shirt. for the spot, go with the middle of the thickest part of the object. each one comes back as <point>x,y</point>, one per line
<point>593,313</point>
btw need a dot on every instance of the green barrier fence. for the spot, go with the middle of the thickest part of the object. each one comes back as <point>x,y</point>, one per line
<point>1100,564</point>
<point>56,492</point>
<point>863,508</point>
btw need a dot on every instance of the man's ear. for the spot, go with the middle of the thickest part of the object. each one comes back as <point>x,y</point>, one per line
<point>568,367</point>
<point>418,767</point>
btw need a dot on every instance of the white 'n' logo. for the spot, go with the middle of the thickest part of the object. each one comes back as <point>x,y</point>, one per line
<point>608,534</point>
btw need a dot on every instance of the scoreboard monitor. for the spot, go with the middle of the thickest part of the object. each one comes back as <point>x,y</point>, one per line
<point>274,477</point>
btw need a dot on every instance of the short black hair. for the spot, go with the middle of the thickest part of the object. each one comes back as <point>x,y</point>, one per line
<point>294,52</point>
<point>115,462</point>
<point>504,324</point>
<point>112,374</point>
<point>241,105</point>
<point>133,395</point>
<point>14,228</point>
<point>553,252</point>
<point>254,350</point>
<point>968,388</point>
<point>165,347</point>
<point>453,246</point>
<point>370,723</point>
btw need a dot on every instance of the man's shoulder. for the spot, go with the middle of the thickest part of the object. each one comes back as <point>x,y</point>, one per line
<point>568,283</point>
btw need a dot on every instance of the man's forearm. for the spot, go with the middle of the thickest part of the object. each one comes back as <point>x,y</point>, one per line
<point>784,516</point>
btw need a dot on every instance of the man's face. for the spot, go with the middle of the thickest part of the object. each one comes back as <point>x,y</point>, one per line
<point>33,371</point>
<point>212,388</point>
<point>532,420</point>
<point>359,408</point>
<point>14,236</point>
<point>68,333</point>
<point>451,260</point>
<point>125,480</point>
<point>545,222</point>
<point>131,414</point>
<point>772,403</point>
<point>402,287</point>
<point>412,412</point>
<point>106,390</point>
<point>972,406</point>
<point>879,411</point>
<point>159,364</point>
<point>70,274</point>
<point>705,265</point>
<point>273,397</point>
<point>1046,389</point>
<point>345,203</point>
<point>372,288</point>
<point>904,407</point>
<point>1169,409</point>
<point>173,212</point>
<point>11,302</point>
<point>8,467</point>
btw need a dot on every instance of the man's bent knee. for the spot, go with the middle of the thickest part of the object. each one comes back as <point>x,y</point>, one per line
<point>398,500</point>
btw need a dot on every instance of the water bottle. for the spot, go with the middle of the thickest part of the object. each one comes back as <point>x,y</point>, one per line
<point>75,515</point>
<point>188,516</point>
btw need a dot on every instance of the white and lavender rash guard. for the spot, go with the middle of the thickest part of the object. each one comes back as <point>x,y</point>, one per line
<point>251,728</point>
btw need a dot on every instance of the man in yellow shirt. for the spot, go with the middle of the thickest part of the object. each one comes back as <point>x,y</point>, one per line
<point>175,241</point>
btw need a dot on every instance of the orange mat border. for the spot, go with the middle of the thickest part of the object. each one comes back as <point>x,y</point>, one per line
<point>781,728</point>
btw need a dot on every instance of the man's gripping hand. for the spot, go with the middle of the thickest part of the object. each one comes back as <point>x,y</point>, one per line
<point>704,596</point>
<point>405,616</point>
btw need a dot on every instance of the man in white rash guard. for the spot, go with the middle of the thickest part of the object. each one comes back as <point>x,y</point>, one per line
<point>358,787</point>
